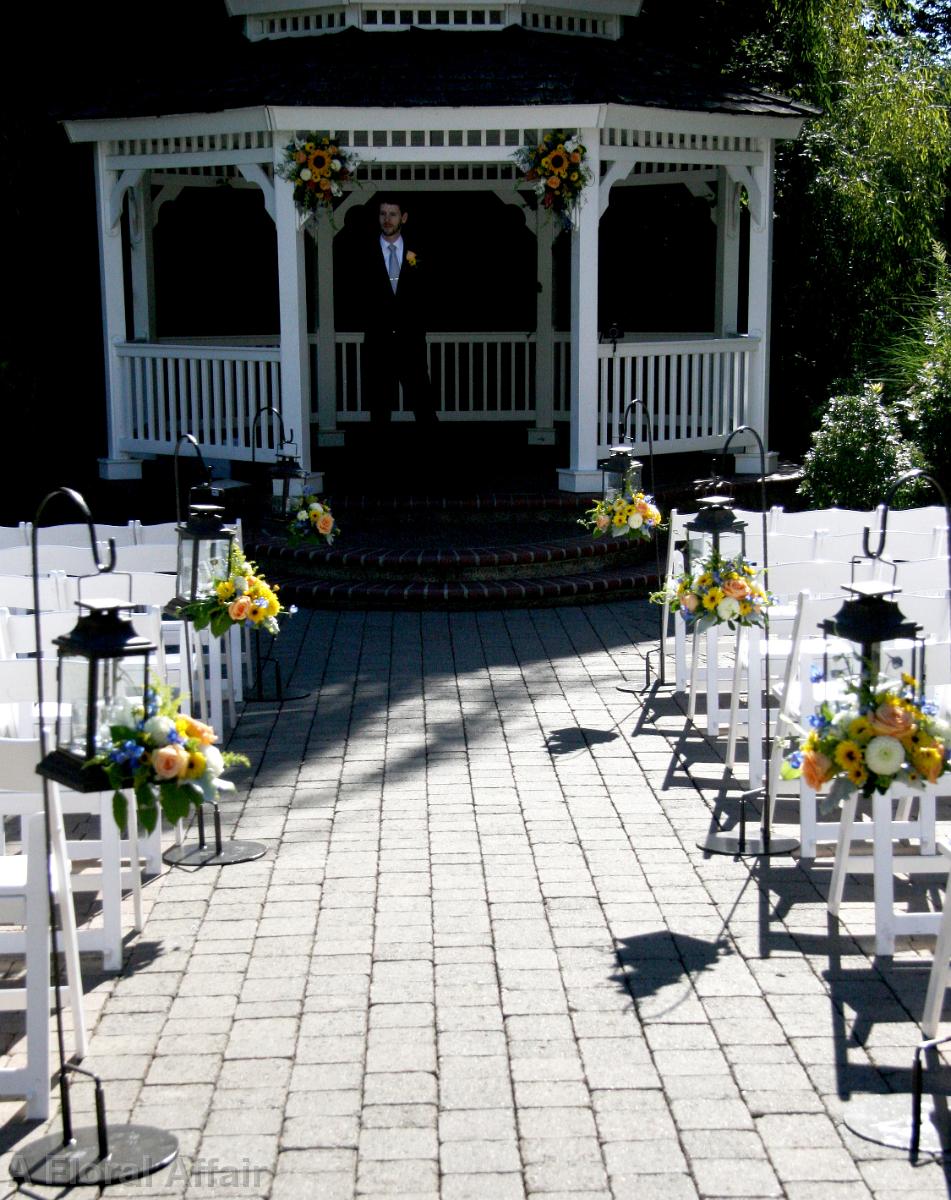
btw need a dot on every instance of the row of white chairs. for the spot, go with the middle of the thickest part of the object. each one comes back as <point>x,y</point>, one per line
<point>76,533</point>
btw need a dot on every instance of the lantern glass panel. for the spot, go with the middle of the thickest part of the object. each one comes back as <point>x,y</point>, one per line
<point>95,694</point>
<point>201,560</point>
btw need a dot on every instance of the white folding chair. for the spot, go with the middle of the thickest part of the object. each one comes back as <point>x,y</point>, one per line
<point>54,592</point>
<point>164,533</point>
<point>25,881</point>
<point>940,974</point>
<point>833,520</point>
<point>72,560</point>
<point>158,556</point>
<point>14,535</point>
<point>77,534</point>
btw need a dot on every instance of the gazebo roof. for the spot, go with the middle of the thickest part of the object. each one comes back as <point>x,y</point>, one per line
<point>423,68</point>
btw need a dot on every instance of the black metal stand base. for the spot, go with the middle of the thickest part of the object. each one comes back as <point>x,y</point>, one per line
<point>748,847</point>
<point>221,854</point>
<point>260,662</point>
<point>745,845</point>
<point>889,1121</point>
<point>224,855</point>
<point>133,1151</point>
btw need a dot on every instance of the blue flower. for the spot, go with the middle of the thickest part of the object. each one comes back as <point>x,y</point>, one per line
<point>129,752</point>
<point>817,721</point>
<point>795,759</point>
<point>815,674</point>
<point>929,708</point>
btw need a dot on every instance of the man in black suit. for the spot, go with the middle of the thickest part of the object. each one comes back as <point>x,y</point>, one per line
<point>393,291</point>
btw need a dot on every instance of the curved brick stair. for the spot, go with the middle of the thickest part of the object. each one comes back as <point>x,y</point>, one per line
<point>445,553</point>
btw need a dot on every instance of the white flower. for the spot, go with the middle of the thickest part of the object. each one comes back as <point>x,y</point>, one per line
<point>214,763</point>
<point>240,584</point>
<point>305,173</point>
<point>884,755</point>
<point>302,516</point>
<point>335,189</point>
<point>317,508</point>
<point>728,608</point>
<point>571,144</point>
<point>635,521</point>
<point>159,729</point>
<point>335,164</point>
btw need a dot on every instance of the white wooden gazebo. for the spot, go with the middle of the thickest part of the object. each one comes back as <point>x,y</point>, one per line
<point>449,134</point>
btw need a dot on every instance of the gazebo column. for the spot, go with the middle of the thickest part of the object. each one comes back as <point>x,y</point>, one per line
<point>544,432</point>
<point>118,465</point>
<point>760,191</point>
<point>327,434</point>
<point>726,304</point>
<point>295,372</point>
<point>582,474</point>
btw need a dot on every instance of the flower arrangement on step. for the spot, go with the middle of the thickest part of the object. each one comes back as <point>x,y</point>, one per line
<point>318,168</point>
<point>556,167</point>
<point>873,734</point>
<point>630,514</point>
<point>314,522</point>
<point>242,597</point>
<point>722,591</point>
<point>168,758</point>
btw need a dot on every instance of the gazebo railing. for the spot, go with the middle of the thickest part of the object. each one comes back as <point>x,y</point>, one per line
<point>698,391</point>
<point>492,375</point>
<point>209,391</point>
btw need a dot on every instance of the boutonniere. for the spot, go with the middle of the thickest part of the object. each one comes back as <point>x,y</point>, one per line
<point>411,258</point>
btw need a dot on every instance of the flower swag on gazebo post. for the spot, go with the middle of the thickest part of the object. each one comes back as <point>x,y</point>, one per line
<point>437,99</point>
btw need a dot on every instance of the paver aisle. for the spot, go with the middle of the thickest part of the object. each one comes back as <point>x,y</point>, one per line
<point>484,960</point>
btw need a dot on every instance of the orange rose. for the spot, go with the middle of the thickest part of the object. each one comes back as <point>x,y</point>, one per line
<point>816,769</point>
<point>889,720</point>
<point>690,602</point>
<point>240,609</point>
<point>170,761</point>
<point>199,730</point>
<point>325,524</point>
<point>602,520</point>
<point>736,589</point>
<point>554,181</point>
<point>575,156</point>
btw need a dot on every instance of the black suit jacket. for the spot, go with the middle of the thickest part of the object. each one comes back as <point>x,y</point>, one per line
<point>385,311</point>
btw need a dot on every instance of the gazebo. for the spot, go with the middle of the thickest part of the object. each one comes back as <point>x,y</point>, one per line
<point>430,100</point>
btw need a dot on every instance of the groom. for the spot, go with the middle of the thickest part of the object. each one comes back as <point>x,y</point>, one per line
<point>392,286</point>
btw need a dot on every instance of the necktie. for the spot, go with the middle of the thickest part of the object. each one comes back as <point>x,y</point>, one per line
<point>393,267</point>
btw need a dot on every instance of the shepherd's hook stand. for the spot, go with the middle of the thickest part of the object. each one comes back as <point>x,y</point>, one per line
<point>221,854</point>
<point>762,844</point>
<point>266,660</point>
<point>92,1156</point>
<point>917,1123</point>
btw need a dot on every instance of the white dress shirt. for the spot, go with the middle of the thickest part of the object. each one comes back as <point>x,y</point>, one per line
<point>385,247</point>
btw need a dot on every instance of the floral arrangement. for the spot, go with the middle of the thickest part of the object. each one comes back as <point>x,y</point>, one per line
<point>242,597</point>
<point>724,590</point>
<point>168,758</point>
<point>314,521</point>
<point>556,167</point>
<point>318,168</point>
<point>874,734</point>
<point>629,514</point>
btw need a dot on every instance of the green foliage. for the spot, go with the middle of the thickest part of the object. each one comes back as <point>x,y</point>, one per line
<point>856,452</point>
<point>929,391</point>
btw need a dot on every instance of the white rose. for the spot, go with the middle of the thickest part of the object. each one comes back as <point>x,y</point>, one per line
<point>214,763</point>
<point>159,729</point>
<point>335,189</point>
<point>728,608</point>
<point>884,755</point>
<point>317,508</point>
<point>302,515</point>
<point>305,173</point>
<point>635,521</point>
<point>335,164</point>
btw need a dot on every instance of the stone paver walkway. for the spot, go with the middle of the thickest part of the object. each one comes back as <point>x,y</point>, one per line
<point>483,958</point>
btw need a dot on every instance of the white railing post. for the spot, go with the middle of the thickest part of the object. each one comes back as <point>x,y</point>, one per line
<point>295,367</point>
<point>112,285</point>
<point>327,432</point>
<point>728,255</point>
<point>760,289</point>
<point>582,474</point>
<point>544,432</point>
<point>143,280</point>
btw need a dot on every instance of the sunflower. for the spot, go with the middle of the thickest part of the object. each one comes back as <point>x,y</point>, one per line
<point>319,162</point>
<point>849,756</point>
<point>858,776</point>
<point>558,161</point>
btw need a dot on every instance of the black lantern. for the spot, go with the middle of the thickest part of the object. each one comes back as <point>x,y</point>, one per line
<point>289,482</point>
<point>620,472</point>
<point>205,544</point>
<point>102,675</point>
<point>714,519</point>
<point>869,618</point>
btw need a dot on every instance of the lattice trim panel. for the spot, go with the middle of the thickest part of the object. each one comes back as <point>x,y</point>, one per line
<point>567,22</point>
<point>198,143</point>
<point>665,139</point>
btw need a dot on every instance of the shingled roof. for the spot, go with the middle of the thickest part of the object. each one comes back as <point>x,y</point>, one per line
<point>422,68</point>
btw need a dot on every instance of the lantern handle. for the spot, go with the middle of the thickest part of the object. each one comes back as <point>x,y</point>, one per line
<point>650,433</point>
<point>885,507</point>
<point>187,437</point>
<point>267,408</point>
<point>76,498</point>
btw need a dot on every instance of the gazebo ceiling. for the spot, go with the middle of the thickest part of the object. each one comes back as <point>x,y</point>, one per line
<point>425,68</point>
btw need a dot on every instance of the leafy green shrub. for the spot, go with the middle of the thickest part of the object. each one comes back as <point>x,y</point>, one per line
<point>929,406</point>
<point>857,451</point>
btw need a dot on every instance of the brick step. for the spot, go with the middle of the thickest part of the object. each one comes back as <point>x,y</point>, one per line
<point>590,588</point>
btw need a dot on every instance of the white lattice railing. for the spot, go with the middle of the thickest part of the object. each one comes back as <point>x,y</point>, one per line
<point>211,392</point>
<point>698,391</point>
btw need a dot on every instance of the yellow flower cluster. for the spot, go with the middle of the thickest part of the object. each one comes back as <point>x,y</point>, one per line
<point>630,514</point>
